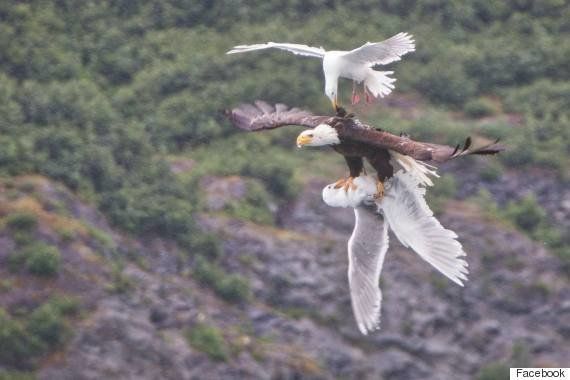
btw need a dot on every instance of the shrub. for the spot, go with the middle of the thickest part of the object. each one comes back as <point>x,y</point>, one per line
<point>255,205</point>
<point>17,346</point>
<point>495,371</point>
<point>209,340</point>
<point>66,305</point>
<point>21,221</point>
<point>233,288</point>
<point>491,172</point>
<point>526,213</point>
<point>206,245</point>
<point>16,375</point>
<point>42,260</point>
<point>47,324</point>
<point>120,282</point>
<point>479,107</point>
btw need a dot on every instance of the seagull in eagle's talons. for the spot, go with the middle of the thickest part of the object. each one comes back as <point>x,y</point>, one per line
<point>356,64</point>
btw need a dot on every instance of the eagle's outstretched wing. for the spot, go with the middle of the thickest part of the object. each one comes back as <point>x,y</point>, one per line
<point>382,53</point>
<point>353,130</point>
<point>366,251</point>
<point>297,49</point>
<point>263,116</point>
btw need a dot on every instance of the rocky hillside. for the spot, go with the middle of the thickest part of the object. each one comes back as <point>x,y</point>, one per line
<point>142,309</point>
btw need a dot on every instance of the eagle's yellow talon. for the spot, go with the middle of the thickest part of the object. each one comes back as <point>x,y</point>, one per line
<point>345,184</point>
<point>338,184</point>
<point>379,190</point>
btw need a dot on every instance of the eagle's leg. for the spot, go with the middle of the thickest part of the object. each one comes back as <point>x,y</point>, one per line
<point>379,190</point>
<point>355,97</point>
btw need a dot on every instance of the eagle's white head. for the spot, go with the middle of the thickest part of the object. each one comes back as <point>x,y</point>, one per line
<point>322,134</point>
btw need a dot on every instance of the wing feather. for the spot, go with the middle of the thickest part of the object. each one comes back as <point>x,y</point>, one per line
<point>366,251</point>
<point>263,116</point>
<point>413,223</point>
<point>382,53</point>
<point>296,49</point>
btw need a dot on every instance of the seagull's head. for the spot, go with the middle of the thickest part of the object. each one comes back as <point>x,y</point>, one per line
<point>322,134</point>
<point>331,93</point>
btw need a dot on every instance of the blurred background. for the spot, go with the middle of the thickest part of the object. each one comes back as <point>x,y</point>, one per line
<point>142,237</point>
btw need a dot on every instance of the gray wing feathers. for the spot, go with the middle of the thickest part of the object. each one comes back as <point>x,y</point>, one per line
<point>366,251</point>
<point>297,49</point>
<point>382,53</point>
<point>413,223</point>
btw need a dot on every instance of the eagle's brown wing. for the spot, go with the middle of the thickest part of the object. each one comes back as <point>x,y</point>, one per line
<point>263,116</point>
<point>361,133</point>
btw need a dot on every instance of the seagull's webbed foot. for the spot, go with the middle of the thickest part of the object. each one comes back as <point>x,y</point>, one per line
<point>355,99</point>
<point>368,95</point>
<point>345,184</point>
<point>379,191</point>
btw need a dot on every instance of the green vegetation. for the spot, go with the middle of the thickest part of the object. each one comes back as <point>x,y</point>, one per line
<point>254,206</point>
<point>500,370</point>
<point>495,371</point>
<point>21,221</point>
<point>23,340</point>
<point>231,287</point>
<point>528,216</point>
<point>479,107</point>
<point>120,283</point>
<point>100,97</point>
<point>37,258</point>
<point>444,189</point>
<point>209,340</point>
<point>16,375</point>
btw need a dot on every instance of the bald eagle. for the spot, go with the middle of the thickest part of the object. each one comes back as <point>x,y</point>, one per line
<point>356,141</point>
<point>355,64</point>
<point>399,163</point>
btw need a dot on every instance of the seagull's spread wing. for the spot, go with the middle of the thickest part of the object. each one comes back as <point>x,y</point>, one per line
<point>382,53</point>
<point>413,223</point>
<point>293,48</point>
<point>366,251</point>
<point>263,116</point>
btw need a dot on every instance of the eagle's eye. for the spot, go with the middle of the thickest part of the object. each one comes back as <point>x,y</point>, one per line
<point>310,135</point>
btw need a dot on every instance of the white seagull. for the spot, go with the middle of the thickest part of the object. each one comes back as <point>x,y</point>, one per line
<point>404,211</point>
<point>355,64</point>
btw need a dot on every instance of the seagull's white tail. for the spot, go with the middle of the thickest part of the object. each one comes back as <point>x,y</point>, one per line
<point>378,83</point>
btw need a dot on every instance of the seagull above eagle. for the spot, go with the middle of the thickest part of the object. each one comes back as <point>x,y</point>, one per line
<point>401,164</point>
<point>356,64</point>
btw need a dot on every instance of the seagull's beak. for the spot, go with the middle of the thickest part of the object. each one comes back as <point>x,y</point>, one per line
<point>303,140</point>
<point>334,104</point>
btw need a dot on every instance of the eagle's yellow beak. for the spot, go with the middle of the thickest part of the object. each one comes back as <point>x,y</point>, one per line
<point>303,140</point>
